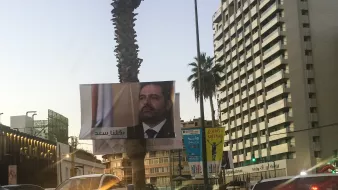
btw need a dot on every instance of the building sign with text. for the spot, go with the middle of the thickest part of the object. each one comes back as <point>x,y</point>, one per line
<point>267,166</point>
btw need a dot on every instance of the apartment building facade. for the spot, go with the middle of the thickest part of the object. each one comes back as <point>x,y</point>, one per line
<point>161,167</point>
<point>279,84</point>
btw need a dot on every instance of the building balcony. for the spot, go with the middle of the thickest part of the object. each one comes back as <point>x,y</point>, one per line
<point>254,142</point>
<point>218,45</point>
<point>280,134</point>
<point>273,8</point>
<point>241,157</point>
<point>278,120</point>
<point>274,49</point>
<point>277,106</point>
<point>270,24</point>
<point>274,78</point>
<point>246,131</point>
<point>240,145</point>
<point>217,15</point>
<point>279,149</point>
<point>273,64</point>
<point>271,37</point>
<point>223,106</point>
<point>275,92</point>
<point>263,3</point>
<point>261,112</point>
<point>217,34</point>
<point>261,125</point>
<point>248,156</point>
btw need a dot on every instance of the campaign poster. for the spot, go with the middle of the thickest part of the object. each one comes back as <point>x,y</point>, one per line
<point>127,110</point>
<point>227,161</point>
<point>192,139</point>
<point>114,146</point>
<point>214,149</point>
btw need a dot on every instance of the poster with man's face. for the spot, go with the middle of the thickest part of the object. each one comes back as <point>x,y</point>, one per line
<point>127,110</point>
<point>114,146</point>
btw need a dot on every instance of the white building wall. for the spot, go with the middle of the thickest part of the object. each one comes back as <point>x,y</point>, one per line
<point>23,123</point>
<point>64,164</point>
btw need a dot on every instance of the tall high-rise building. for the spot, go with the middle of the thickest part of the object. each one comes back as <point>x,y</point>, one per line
<point>280,82</point>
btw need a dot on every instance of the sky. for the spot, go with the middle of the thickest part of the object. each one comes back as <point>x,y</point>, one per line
<point>48,48</point>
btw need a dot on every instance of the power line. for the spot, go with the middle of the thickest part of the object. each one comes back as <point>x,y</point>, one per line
<point>308,129</point>
<point>301,130</point>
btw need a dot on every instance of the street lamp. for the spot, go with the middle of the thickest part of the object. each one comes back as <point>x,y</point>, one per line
<point>0,117</point>
<point>28,112</point>
<point>205,167</point>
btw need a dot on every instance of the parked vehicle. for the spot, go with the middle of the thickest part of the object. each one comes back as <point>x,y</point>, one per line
<point>22,187</point>
<point>302,182</point>
<point>93,181</point>
<point>150,186</point>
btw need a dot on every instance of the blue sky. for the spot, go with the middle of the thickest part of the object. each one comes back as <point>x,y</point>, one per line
<point>48,48</point>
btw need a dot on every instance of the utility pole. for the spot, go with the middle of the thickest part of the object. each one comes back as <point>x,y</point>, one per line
<point>180,167</point>
<point>73,146</point>
<point>204,157</point>
<point>179,163</point>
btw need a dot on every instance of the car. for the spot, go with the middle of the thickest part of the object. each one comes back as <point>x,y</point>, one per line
<point>150,186</point>
<point>92,181</point>
<point>301,182</point>
<point>22,187</point>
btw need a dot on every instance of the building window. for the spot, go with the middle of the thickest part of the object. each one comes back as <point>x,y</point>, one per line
<point>308,52</point>
<point>307,38</point>
<point>305,12</point>
<point>316,154</point>
<point>306,25</point>
<point>316,138</point>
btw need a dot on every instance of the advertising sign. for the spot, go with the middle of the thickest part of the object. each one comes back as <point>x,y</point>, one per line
<point>12,175</point>
<point>57,127</point>
<point>214,148</point>
<point>227,161</point>
<point>114,146</point>
<point>127,110</point>
<point>192,139</point>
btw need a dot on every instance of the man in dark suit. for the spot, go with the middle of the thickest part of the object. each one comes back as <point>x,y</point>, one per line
<point>155,112</point>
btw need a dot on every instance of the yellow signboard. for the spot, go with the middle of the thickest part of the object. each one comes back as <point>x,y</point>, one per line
<point>214,147</point>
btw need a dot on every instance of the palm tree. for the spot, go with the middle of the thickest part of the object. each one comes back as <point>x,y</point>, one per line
<point>211,79</point>
<point>128,68</point>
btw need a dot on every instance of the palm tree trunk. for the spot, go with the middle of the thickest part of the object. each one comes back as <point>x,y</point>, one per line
<point>128,68</point>
<point>212,112</point>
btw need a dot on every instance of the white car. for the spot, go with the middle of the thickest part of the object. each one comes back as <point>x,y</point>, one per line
<point>301,182</point>
<point>92,181</point>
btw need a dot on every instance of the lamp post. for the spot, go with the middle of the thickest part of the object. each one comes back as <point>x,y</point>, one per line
<point>205,171</point>
<point>0,117</point>
<point>28,112</point>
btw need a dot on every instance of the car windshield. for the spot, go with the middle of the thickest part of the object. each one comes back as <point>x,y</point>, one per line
<point>82,183</point>
<point>322,183</point>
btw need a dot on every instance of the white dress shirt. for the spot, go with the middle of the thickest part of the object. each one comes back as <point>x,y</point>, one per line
<point>157,128</point>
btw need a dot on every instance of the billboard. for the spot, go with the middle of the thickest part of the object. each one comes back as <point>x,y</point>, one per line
<point>192,139</point>
<point>57,127</point>
<point>114,146</point>
<point>214,150</point>
<point>127,110</point>
<point>227,162</point>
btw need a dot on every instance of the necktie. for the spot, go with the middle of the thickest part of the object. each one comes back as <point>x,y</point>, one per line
<point>151,133</point>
